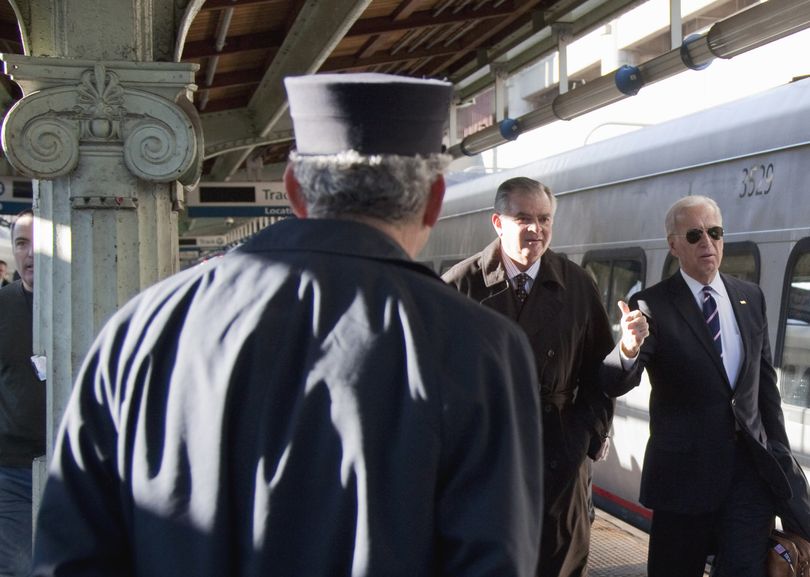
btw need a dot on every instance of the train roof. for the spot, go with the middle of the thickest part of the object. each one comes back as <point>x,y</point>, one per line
<point>774,119</point>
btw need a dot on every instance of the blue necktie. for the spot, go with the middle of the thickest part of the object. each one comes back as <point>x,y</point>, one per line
<point>712,316</point>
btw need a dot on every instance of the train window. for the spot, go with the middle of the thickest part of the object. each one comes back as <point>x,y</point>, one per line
<point>740,259</point>
<point>794,335</point>
<point>618,275</point>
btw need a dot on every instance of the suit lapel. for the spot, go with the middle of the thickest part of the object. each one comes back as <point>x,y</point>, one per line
<point>684,302</point>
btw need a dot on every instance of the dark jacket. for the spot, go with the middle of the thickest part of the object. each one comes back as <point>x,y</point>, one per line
<point>693,408</point>
<point>22,394</point>
<point>307,406</point>
<point>569,334</point>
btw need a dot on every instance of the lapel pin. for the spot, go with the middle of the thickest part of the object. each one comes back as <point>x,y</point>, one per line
<point>743,303</point>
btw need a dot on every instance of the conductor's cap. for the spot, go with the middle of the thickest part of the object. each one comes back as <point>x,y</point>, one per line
<point>370,113</point>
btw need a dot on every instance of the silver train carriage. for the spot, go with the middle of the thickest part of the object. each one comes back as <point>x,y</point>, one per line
<point>753,157</point>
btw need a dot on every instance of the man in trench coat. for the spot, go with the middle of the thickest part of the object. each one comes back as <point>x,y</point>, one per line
<point>558,306</point>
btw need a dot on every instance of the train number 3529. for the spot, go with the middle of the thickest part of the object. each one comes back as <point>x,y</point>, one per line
<point>757,180</point>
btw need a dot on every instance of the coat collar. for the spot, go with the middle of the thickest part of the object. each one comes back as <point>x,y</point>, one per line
<point>494,271</point>
<point>545,298</point>
<point>331,236</point>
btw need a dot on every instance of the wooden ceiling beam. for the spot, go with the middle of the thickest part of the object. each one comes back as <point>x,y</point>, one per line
<point>426,19</point>
<point>222,4</point>
<point>270,40</point>
<point>376,42</point>
<point>236,78</point>
<point>226,103</point>
<point>351,62</point>
<point>480,35</point>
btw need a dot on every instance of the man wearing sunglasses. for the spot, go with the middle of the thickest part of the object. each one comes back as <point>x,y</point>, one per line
<point>709,471</point>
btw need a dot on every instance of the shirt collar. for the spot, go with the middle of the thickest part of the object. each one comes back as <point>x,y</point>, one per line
<point>718,287</point>
<point>512,270</point>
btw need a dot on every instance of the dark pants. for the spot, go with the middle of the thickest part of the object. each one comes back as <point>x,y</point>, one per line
<point>15,522</point>
<point>737,532</point>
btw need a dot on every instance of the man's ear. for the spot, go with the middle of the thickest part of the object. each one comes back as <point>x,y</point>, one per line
<point>496,222</point>
<point>297,201</point>
<point>433,207</point>
<point>671,243</point>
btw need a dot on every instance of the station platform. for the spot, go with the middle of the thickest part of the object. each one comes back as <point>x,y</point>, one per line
<point>617,548</point>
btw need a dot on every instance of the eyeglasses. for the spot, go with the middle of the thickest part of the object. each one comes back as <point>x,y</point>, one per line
<point>693,235</point>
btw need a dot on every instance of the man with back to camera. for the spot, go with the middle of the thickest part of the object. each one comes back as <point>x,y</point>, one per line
<point>709,472</point>
<point>343,412</point>
<point>558,306</point>
<point>22,405</point>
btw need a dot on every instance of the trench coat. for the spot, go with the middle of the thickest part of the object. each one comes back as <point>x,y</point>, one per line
<point>570,335</point>
<point>314,403</point>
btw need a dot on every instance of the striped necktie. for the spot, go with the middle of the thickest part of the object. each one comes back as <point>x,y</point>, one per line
<point>712,316</point>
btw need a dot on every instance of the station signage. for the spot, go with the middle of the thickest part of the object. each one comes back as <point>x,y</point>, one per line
<point>203,242</point>
<point>237,199</point>
<point>16,194</point>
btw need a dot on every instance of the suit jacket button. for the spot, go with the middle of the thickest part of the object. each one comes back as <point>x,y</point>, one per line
<point>552,464</point>
<point>550,353</point>
<point>547,408</point>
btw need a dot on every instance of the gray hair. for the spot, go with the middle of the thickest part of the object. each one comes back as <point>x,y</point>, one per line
<point>388,187</point>
<point>689,202</point>
<point>521,185</point>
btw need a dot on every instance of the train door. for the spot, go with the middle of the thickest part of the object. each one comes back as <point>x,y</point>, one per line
<point>793,340</point>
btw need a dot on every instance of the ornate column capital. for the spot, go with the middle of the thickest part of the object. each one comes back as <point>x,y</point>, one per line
<point>73,109</point>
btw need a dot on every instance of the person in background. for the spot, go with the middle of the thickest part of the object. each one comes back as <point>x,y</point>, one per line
<point>343,412</point>
<point>558,306</point>
<point>3,273</point>
<point>22,406</point>
<point>709,473</point>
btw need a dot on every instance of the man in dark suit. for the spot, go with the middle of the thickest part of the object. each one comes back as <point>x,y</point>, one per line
<point>558,306</point>
<point>715,416</point>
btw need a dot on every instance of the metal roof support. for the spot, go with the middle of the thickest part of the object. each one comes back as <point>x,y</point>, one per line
<point>675,24</point>
<point>319,27</point>
<point>452,130</point>
<point>562,32</point>
<point>501,99</point>
<point>753,27</point>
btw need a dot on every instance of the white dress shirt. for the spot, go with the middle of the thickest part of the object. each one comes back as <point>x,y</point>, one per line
<point>512,271</point>
<point>729,331</point>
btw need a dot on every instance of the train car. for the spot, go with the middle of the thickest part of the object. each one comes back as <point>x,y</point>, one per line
<point>753,157</point>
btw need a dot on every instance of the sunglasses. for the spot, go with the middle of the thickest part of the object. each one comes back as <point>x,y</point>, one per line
<point>693,235</point>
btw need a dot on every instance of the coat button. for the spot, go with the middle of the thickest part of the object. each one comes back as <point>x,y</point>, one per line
<point>552,464</point>
<point>550,353</point>
<point>547,408</point>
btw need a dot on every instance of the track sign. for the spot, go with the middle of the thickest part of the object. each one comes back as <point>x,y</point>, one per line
<point>16,194</point>
<point>237,199</point>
